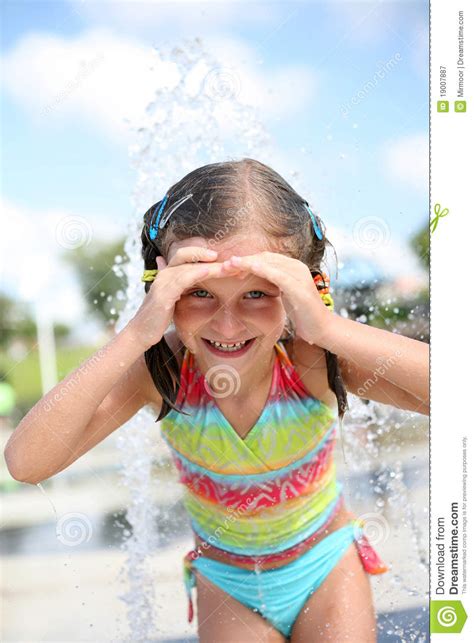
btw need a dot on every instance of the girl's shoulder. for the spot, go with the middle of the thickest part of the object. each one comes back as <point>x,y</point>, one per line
<point>309,361</point>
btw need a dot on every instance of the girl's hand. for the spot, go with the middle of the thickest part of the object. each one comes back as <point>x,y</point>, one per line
<point>300,297</point>
<point>156,312</point>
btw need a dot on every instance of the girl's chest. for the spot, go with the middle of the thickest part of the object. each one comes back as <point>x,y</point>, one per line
<point>286,431</point>
<point>311,371</point>
<point>242,416</point>
<point>228,436</point>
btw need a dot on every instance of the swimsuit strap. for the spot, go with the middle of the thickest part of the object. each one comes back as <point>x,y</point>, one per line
<point>191,385</point>
<point>189,368</point>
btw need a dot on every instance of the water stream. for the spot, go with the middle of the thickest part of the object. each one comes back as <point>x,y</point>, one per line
<point>197,118</point>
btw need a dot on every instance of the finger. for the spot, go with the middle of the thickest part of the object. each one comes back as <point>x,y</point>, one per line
<point>185,243</point>
<point>192,254</point>
<point>231,270</point>
<point>265,270</point>
<point>160,262</point>
<point>210,270</point>
<point>237,271</point>
<point>191,275</point>
<point>244,262</point>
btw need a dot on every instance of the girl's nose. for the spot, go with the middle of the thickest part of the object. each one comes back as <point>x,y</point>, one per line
<point>226,324</point>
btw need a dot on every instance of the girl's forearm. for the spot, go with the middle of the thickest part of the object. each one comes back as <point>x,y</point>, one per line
<point>49,432</point>
<point>398,359</point>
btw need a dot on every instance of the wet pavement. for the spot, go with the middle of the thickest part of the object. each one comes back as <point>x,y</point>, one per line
<point>75,593</point>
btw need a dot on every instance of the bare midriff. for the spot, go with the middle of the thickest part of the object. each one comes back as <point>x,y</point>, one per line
<point>342,517</point>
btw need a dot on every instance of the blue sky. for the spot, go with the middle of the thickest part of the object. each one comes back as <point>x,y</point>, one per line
<point>360,150</point>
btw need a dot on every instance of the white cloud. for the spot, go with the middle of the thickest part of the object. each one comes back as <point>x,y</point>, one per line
<point>145,15</point>
<point>279,93</point>
<point>106,79</point>
<point>392,257</point>
<point>95,77</point>
<point>407,160</point>
<point>31,245</point>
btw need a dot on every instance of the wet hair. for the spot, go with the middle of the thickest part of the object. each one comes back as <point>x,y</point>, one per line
<point>230,198</point>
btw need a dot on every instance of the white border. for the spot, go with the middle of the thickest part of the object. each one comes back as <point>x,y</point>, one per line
<point>452,245</point>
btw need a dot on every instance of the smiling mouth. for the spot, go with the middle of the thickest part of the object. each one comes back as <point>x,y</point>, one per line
<point>228,347</point>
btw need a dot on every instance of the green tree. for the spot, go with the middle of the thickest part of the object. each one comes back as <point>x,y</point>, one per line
<point>420,243</point>
<point>17,322</point>
<point>102,279</point>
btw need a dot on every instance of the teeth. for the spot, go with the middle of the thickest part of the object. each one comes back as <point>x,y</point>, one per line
<point>228,347</point>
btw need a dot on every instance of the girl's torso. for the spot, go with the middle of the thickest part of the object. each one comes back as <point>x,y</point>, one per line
<point>248,442</point>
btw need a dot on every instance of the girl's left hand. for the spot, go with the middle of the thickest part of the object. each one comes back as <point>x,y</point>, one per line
<point>299,294</point>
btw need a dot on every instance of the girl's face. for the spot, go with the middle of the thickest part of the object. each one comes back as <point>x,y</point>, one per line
<point>229,310</point>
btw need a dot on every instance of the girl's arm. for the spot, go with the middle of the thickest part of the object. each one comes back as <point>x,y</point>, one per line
<point>372,386</point>
<point>109,387</point>
<point>404,362</point>
<point>80,411</point>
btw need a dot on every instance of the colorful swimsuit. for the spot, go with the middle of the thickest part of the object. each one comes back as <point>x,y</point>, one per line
<point>262,498</point>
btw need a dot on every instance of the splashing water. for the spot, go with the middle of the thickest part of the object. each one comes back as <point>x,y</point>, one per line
<point>377,489</point>
<point>192,121</point>
<point>197,118</point>
<point>41,488</point>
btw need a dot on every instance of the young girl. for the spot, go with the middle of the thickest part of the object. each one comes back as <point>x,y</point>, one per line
<point>248,389</point>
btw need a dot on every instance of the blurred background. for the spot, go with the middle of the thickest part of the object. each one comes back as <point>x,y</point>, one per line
<point>332,95</point>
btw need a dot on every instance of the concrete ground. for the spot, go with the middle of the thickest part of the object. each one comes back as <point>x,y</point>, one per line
<point>73,594</point>
<point>75,598</point>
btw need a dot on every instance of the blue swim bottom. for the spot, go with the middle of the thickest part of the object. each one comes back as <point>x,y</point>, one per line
<point>279,594</point>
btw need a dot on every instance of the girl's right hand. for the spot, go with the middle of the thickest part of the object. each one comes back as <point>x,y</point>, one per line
<point>156,312</point>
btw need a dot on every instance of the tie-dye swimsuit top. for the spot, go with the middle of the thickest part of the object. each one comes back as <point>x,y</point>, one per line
<point>267,496</point>
<point>268,491</point>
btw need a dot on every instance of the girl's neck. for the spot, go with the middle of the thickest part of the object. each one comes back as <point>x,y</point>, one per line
<point>254,379</point>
